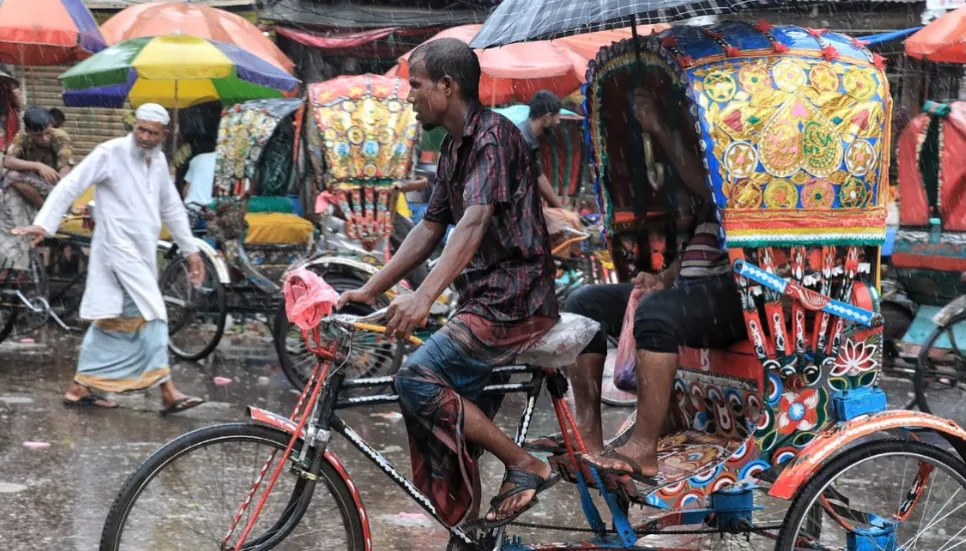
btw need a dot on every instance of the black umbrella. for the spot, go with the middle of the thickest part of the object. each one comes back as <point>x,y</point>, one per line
<point>523,20</point>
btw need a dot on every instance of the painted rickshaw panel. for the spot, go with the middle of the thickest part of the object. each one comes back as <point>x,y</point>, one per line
<point>793,127</point>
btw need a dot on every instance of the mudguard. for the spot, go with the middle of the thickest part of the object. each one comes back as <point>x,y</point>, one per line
<point>827,444</point>
<point>288,426</point>
<point>221,267</point>
<point>952,309</point>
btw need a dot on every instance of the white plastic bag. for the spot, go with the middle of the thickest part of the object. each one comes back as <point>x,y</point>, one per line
<point>561,345</point>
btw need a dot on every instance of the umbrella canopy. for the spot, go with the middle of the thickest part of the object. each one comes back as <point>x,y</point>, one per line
<point>514,73</point>
<point>942,41</point>
<point>160,18</point>
<point>175,71</point>
<point>47,32</point>
<point>522,20</point>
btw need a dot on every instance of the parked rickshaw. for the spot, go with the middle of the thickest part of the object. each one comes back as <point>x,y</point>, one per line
<point>249,237</point>
<point>929,255</point>
<point>791,124</point>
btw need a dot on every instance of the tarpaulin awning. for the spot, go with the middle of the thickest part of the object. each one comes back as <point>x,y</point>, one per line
<point>942,41</point>
<point>335,41</point>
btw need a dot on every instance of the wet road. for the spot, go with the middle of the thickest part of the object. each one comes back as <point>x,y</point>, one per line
<point>61,468</point>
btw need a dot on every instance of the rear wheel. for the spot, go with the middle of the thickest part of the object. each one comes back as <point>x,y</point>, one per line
<point>911,490</point>
<point>186,496</point>
<point>16,319</point>
<point>371,354</point>
<point>940,379</point>
<point>196,315</point>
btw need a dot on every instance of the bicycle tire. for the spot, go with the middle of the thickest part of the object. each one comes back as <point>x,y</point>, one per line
<point>220,302</point>
<point>152,467</point>
<point>803,502</point>
<point>341,284</point>
<point>8,324</point>
<point>919,379</point>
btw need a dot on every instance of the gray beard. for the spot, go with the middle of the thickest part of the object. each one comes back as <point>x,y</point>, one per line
<point>146,154</point>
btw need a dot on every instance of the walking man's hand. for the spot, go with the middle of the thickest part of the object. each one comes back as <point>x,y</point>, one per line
<point>38,233</point>
<point>196,268</point>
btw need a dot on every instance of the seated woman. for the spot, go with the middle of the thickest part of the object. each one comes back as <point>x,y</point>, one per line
<point>38,157</point>
<point>692,303</point>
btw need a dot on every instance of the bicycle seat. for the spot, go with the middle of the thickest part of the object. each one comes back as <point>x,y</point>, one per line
<point>561,345</point>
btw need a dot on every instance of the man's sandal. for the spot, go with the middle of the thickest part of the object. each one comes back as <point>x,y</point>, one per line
<point>90,400</point>
<point>524,480</point>
<point>555,447</point>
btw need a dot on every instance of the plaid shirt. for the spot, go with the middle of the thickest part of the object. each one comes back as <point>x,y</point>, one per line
<point>511,276</point>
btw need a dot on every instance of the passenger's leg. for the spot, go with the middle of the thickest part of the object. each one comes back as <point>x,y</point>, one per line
<point>604,304</point>
<point>708,315</point>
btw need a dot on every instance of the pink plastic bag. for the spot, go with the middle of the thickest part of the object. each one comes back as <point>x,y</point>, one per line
<point>625,365</point>
<point>308,298</point>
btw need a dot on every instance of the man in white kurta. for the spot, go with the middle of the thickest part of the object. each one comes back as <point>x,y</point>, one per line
<point>125,348</point>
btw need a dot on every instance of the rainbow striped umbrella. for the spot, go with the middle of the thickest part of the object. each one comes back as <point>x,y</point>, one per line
<point>47,32</point>
<point>175,71</point>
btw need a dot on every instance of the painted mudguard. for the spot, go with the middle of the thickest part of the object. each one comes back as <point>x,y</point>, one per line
<point>288,426</point>
<point>221,267</point>
<point>827,444</point>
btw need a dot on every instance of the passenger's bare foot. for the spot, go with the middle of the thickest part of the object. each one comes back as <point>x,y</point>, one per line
<point>633,458</point>
<point>516,502</point>
<point>80,396</point>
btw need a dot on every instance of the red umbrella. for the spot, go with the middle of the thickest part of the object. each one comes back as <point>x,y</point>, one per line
<point>512,74</point>
<point>942,41</point>
<point>47,32</point>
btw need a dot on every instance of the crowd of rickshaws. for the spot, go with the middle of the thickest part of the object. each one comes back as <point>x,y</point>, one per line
<point>793,126</point>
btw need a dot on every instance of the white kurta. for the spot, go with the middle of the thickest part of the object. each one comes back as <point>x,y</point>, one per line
<point>131,202</point>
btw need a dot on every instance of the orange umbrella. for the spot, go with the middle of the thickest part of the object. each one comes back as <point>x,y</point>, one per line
<point>513,73</point>
<point>942,41</point>
<point>164,18</point>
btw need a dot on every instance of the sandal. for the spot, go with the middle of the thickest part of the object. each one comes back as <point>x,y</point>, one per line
<point>524,480</point>
<point>182,404</point>
<point>90,400</point>
<point>558,447</point>
<point>635,473</point>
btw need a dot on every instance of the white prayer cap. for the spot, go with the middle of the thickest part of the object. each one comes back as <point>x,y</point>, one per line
<point>152,112</point>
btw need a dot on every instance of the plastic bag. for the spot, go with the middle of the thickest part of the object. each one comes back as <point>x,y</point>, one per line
<point>308,298</point>
<point>625,367</point>
<point>561,345</point>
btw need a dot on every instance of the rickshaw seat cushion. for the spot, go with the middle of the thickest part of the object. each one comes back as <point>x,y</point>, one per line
<point>560,346</point>
<point>263,228</point>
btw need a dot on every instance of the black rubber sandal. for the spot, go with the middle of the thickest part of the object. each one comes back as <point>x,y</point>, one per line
<point>181,405</point>
<point>89,400</point>
<point>635,473</point>
<point>523,480</point>
<point>558,447</point>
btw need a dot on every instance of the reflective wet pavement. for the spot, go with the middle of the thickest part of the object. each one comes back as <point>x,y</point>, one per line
<point>60,468</point>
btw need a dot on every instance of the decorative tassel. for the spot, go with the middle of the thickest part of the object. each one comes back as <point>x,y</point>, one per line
<point>779,47</point>
<point>669,41</point>
<point>715,35</point>
<point>814,32</point>
<point>830,53</point>
<point>764,26</point>
<point>732,51</point>
<point>685,61</point>
<point>878,60</point>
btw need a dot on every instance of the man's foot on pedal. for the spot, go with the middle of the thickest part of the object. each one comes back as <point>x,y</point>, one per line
<point>519,491</point>
<point>632,459</point>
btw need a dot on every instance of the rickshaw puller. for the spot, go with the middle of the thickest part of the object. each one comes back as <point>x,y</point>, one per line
<point>692,303</point>
<point>499,257</point>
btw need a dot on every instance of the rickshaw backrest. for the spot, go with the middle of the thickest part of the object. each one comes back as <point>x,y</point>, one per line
<point>930,246</point>
<point>366,134</point>
<point>793,128</point>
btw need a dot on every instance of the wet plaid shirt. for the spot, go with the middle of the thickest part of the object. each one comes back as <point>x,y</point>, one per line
<point>511,276</point>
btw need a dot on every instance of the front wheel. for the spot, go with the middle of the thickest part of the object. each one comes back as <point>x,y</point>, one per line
<point>186,496</point>
<point>884,494</point>
<point>196,315</point>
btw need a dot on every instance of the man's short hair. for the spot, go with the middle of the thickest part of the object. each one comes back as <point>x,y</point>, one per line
<point>543,103</point>
<point>37,119</point>
<point>453,58</point>
<point>58,116</point>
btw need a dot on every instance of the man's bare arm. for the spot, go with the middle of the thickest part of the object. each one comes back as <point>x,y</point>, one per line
<point>29,193</point>
<point>13,163</point>
<point>462,245</point>
<point>546,191</point>
<point>415,249</point>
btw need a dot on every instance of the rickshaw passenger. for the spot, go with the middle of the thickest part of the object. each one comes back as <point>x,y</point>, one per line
<point>499,257</point>
<point>544,116</point>
<point>693,303</point>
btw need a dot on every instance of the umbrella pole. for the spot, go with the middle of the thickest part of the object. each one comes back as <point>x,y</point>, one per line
<point>177,130</point>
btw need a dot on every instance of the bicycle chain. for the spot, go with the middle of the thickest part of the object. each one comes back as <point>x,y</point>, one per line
<point>750,530</point>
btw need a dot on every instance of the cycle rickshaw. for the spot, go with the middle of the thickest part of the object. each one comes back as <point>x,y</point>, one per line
<point>792,124</point>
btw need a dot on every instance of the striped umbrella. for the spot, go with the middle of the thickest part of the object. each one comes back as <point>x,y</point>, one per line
<point>47,32</point>
<point>174,71</point>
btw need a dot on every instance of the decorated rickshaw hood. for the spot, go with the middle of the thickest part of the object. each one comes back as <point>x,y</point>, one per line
<point>792,124</point>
